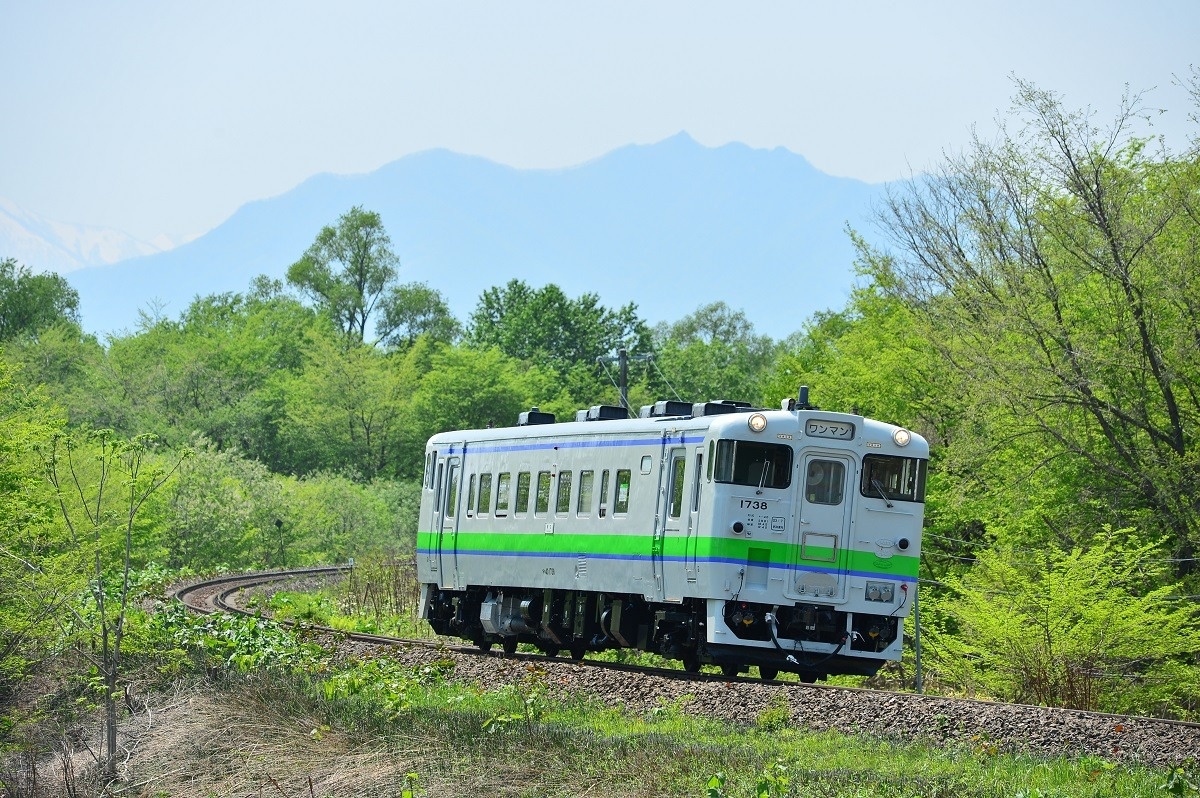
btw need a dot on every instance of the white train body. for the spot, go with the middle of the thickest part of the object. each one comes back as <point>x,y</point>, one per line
<point>786,539</point>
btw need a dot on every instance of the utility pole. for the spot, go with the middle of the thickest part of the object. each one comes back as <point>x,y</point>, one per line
<point>623,357</point>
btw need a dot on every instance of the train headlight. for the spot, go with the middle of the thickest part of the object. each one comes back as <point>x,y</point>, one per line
<point>902,437</point>
<point>757,422</point>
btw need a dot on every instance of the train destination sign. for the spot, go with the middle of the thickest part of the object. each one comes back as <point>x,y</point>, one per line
<point>838,430</point>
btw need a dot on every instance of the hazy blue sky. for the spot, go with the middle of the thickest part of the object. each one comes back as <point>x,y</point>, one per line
<point>164,117</point>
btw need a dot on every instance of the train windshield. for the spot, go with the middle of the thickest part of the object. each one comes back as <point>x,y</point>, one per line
<point>901,478</point>
<point>761,465</point>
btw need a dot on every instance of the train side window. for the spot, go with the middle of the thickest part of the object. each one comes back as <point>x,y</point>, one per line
<point>584,507</point>
<point>562,501</point>
<point>621,499</point>
<point>452,494</point>
<point>502,485</point>
<point>541,504</point>
<point>678,464</point>
<point>712,445</point>
<point>485,494</point>
<point>696,481</point>
<point>522,493</point>
<point>430,459</point>
<point>471,496</point>
<point>604,493</point>
<point>825,481</point>
<point>647,463</point>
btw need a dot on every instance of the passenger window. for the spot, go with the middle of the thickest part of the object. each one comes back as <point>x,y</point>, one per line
<point>584,507</point>
<point>621,499</point>
<point>562,502</point>
<point>485,494</point>
<point>825,481</point>
<point>604,493</point>
<point>677,467</point>
<point>522,493</point>
<point>542,503</point>
<point>502,485</point>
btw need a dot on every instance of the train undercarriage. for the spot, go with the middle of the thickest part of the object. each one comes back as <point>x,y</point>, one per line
<point>769,637</point>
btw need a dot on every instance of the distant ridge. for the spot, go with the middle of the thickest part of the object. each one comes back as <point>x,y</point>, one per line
<point>44,245</point>
<point>669,226</point>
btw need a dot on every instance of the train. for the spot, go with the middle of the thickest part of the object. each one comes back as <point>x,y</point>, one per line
<point>709,533</point>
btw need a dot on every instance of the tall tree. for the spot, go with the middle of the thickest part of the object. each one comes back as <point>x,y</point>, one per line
<point>1056,270</point>
<point>712,353</point>
<point>350,272</point>
<point>545,326</point>
<point>32,302</point>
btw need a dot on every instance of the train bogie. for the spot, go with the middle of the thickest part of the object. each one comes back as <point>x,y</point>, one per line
<point>786,540</point>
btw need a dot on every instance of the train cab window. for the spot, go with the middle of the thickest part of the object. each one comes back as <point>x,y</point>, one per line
<point>452,493</point>
<point>430,459</point>
<point>471,496</point>
<point>621,497</point>
<point>678,464</point>
<point>887,477</point>
<point>541,504</point>
<point>825,481</point>
<point>584,506</point>
<point>502,485</point>
<point>562,500</point>
<point>712,446</point>
<point>485,494</point>
<point>760,465</point>
<point>522,505</point>
<point>696,482</point>
<point>604,493</point>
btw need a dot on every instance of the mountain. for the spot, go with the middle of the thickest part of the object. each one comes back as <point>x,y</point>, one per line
<point>669,226</point>
<point>45,245</point>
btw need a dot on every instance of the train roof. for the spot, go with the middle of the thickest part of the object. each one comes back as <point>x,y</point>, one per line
<point>722,419</point>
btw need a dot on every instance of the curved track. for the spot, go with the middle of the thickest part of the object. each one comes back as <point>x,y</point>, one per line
<point>978,725</point>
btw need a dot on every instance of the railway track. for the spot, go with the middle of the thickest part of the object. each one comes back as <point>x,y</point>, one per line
<point>979,726</point>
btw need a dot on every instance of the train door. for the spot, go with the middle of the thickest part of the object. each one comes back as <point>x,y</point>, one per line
<point>674,515</point>
<point>445,519</point>
<point>822,550</point>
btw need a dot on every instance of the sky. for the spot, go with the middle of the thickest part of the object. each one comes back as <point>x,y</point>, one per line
<point>162,118</point>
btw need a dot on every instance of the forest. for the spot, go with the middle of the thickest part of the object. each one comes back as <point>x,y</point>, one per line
<point>1035,314</point>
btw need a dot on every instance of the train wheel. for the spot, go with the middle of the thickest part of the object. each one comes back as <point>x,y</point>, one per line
<point>730,671</point>
<point>550,650</point>
<point>691,662</point>
<point>484,645</point>
<point>510,645</point>
<point>767,674</point>
<point>578,651</point>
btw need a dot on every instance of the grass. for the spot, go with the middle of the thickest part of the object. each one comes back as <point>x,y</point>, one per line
<point>398,729</point>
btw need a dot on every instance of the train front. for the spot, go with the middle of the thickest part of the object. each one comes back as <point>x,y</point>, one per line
<point>813,540</point>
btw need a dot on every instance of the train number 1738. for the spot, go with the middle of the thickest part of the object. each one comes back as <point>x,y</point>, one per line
<point>752,504</point>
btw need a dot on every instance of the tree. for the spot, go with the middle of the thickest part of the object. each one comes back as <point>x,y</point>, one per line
<point>364,285</point>
<point>101,483</point>
<point>713,353</point>
<point>566,336</point>
<point>1056,271</point>
<point>32,302</point>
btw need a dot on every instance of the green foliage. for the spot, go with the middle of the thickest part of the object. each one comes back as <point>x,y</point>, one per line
<point>221,511</point>
<point>31,302</point>
<point>713,353</point>
<point>239,642</point>
<point>565,336</point>
<point>1097,629</point>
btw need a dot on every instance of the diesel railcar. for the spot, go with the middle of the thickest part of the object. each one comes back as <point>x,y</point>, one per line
<point>712,532</point>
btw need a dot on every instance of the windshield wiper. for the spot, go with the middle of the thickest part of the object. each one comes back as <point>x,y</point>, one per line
<point>875,483</point>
